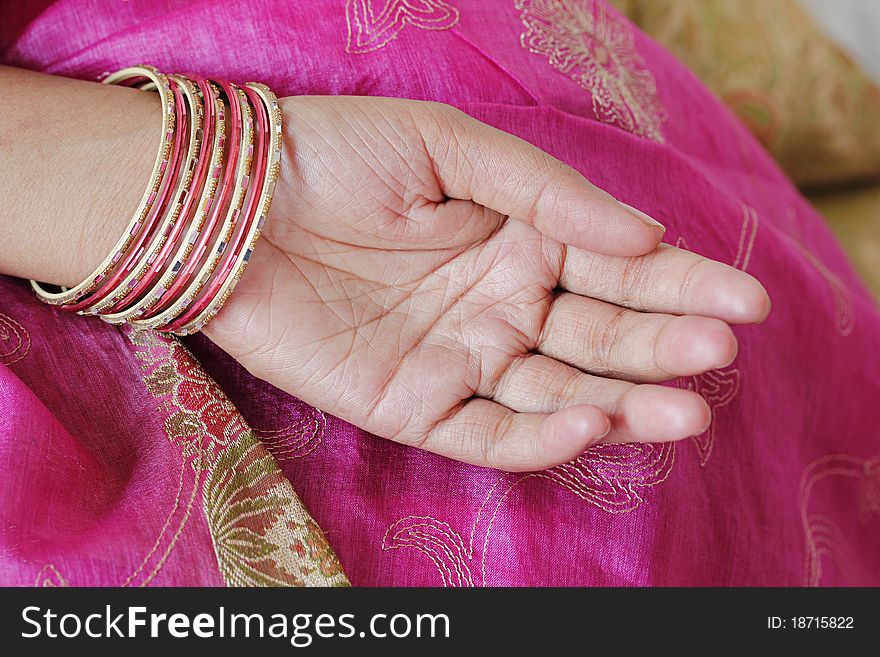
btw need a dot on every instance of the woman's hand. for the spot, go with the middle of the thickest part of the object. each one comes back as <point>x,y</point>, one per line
<point>446,285</point>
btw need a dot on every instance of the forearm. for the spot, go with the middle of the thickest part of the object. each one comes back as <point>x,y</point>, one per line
<point>75,158</point>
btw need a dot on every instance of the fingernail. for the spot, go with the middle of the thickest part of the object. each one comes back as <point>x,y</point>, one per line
<point>649,221</point>
<point>729,360</point>
<point>708,424</point>
<point>600,438</point>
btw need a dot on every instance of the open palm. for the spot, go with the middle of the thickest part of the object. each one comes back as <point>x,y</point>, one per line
<point>443,284</point>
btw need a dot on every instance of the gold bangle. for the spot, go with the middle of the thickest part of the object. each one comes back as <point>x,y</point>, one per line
<point>184,182</point>
<point>76,293</point>
<point>268,189</point>
<point>242,170</point>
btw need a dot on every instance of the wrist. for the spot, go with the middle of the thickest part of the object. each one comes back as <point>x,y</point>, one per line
<point>83,153</point>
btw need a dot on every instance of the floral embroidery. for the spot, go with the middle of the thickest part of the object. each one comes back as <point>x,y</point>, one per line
<point>611,477</point>
<point>156,354</point>
<point>199,409</point>
<point>826,544</point>
<point>259,529</point>
<point>261,533</point>
<point>596,49</point>
<point>15,341</point>
<point>370,30</point>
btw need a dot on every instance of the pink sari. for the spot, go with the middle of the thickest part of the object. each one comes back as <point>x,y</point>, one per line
<point>131,459</point>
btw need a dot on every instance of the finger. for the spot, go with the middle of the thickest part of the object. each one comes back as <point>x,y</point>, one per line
<point>601,338</point>
<point>639,413</point>
<point>667,280</point>
<point>484,433</point>
<point>493,168</point>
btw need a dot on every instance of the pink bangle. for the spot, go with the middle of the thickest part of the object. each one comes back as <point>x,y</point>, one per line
<point>201,133</point>
<point>251,184</point>
<point>196,226</point>
<point>269,115</point>
<point>158,222</point>
<point>127,77</point>
<point>208,177</point>
<point>190,283</point>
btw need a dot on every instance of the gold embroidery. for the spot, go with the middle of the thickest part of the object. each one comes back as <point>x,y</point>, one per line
<point>261,533</point>
<point>15,341</point>
<point>591,45</point>
<point>610,477</point>
<point>436,540</point>
<point>718,388</point>
<point>156,352</point>
<point>747,235</point>
<point>826,544</point>
<point>49,577</point>
<point>259,529</point>
<point>298,439</point>
<point>370,30</point>
<point>844,317</point>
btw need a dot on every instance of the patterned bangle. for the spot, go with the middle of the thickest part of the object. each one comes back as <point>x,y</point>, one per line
<point>197,224</point>
<point>160,220</point>
<point>151,261</point>
<point>250,185</point>
<point>206,179</point>
<point>188,268</point>
<point>235,181</point>
<point>266,174</point>
<point>127,77</point>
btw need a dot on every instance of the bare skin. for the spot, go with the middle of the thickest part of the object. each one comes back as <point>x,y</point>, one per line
<point>422,275</point>
<point>396,291</point>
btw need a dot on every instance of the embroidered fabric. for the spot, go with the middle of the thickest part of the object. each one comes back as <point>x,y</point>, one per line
<point>145,465</point>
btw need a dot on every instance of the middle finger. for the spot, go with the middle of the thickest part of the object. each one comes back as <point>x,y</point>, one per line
<point>605,339</point>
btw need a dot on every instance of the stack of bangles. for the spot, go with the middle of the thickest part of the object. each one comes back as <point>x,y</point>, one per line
<point>204,208</point>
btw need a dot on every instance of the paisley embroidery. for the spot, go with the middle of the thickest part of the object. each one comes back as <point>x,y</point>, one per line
<point>596,49</point>
<point>826,544</point>
<point>370,30</point>
<point>747,236</point>
<point>718,388</point>
<point>259,530</point>
<point>844,317</point>
<point>437,541</point>
<point>261,533</point>
<point>15,341</point>
<point>49,577</point>
<point>610,477</point>
<point>299,438</point>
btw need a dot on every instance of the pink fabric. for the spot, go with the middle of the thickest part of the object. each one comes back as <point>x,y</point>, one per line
<point>783,489</point>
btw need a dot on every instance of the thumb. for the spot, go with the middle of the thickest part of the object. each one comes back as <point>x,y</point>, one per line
<point>474,161</point>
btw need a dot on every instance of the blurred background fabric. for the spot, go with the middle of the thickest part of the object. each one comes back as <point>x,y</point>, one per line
<point>855,25</point>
